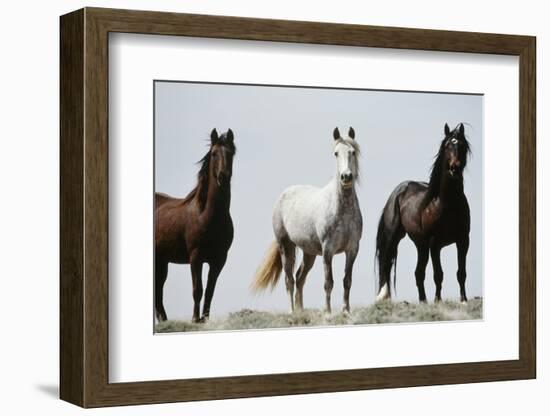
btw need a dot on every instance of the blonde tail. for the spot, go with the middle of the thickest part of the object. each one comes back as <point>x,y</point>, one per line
<point>269,271</point>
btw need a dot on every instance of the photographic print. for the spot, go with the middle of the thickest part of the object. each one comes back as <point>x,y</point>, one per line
<point>295,206</point>
<point>258,185</point>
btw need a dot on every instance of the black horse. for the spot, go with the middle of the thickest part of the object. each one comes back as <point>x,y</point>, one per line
<point>433,215</point>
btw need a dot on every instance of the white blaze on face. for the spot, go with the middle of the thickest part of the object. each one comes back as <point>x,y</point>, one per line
<point>346,161</point>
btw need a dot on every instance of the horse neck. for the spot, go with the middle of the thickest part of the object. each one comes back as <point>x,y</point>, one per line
<point>218,198</point>
<point>344,197</point>
<point>448,190</point>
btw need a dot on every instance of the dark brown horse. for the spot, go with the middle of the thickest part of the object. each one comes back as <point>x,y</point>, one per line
<point>198,228</point>
<point>433,215</point>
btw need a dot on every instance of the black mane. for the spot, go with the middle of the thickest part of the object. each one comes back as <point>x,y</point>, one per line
<point>203,177</point>
<point>437,169</point>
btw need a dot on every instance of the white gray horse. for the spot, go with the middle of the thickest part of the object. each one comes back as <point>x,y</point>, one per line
<point>321,222</point>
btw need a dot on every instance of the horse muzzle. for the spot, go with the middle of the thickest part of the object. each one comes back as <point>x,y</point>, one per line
<point>346,180</point>
<point>454,170</point>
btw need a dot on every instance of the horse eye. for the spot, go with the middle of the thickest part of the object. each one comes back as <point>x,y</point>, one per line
<point>335,153</point>
<point>353,153</point>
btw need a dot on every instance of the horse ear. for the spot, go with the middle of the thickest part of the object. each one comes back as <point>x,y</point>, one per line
<point>229,135</point>
<point>336,133</point>
<point>351,133</point>
<point>447,130</point>
<point>461,129</point>
<point>214,136</point>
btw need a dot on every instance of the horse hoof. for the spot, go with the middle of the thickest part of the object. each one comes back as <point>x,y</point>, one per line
<point>201,320</point>
<point>383,294</point>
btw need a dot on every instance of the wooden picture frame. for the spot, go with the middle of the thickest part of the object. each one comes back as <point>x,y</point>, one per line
<point>84,207</point>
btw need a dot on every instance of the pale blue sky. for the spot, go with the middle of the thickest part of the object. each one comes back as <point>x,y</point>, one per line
<point>284,137</point>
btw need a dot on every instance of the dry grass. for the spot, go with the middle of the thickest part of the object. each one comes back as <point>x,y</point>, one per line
<point>380,313</point>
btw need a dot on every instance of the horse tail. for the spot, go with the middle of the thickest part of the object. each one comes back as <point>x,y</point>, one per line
<point>269,271</point>
<point>390,232</point>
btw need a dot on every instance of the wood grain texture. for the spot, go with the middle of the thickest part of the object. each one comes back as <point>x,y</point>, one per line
<point>71,100</point>
<point>84,206</point>
<point>528,209</point>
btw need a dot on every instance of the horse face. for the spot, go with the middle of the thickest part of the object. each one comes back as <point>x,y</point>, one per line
<point>346,162</point>
<point>221,158</point>
<point>456,151</point>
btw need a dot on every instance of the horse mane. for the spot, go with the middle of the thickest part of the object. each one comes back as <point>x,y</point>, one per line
<point>436,170</point>
<point>200,190</point>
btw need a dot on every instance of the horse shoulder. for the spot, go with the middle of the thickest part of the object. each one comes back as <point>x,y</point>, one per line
<point>417,214</point>
<point>358,219</point>
<point>462,215</point>
<point>296,203</point>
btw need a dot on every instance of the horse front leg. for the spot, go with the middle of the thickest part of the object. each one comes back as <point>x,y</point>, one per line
<point>196,275</point>
<point>462,251</point>
<point>329,281</point>
<point>213,273</point>
<point>435,253</point>
<point>350,259</point>
<point>420,271</point>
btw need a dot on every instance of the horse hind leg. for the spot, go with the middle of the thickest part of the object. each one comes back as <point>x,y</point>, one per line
<point>301,274</point>
<point>387,257</point>
<point>288,257</point>
<point>390,232</point>
<point>161,272</point>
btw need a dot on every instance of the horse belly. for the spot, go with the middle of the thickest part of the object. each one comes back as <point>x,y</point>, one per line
<point>174,251</point>
<point>305,237</point>
<point>449,231</point>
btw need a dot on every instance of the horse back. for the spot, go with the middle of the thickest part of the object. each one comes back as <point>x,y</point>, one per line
<point>161,198</point>
<point>182,228</point>
<point>424,217</point>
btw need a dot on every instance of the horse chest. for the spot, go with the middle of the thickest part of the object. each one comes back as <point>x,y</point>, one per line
<point>218,233</point>
<point>342,231</point>
<point>443,223</point>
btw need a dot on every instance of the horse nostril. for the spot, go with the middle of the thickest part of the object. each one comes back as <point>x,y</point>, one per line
<point>346,177</point>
